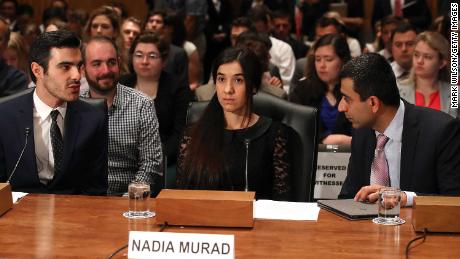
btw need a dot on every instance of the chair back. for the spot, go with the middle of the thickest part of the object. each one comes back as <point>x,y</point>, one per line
<point>303,135</point>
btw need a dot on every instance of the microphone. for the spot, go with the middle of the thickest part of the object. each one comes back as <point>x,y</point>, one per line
<point>246,143</point>
<point>26,131</point>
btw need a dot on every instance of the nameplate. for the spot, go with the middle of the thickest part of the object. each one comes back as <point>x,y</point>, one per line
<point>180,245</point>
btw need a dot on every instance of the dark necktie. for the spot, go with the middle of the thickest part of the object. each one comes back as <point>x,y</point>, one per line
<point>379,168</point>
<point>56,142</point>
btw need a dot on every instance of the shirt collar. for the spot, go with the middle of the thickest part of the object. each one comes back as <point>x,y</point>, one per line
<point>395,128</point>
<point>44,110</point>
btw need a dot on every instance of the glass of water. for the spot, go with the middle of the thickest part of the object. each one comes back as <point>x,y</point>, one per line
<point>139,201</point>
<point>389,206</point>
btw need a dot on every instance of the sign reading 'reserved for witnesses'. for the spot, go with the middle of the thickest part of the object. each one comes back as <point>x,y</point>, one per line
<point>180,245</point>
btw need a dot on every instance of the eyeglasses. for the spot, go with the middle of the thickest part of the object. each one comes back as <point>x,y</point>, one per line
<point>149,56</point>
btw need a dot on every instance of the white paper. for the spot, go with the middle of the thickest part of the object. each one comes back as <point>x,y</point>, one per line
<point>18,195</point>
<point>268,209</point>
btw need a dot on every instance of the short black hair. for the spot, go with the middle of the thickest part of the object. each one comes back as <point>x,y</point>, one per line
<point>403,28</point>
<point>41,47</point>
<point>243,22</point>
<point>327,21</point>
<point>372,76</point>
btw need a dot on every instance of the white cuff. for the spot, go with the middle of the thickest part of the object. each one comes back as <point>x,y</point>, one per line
<point>410,198</point>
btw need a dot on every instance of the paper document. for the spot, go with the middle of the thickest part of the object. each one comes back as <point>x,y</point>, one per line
<point>18,195</point>
<point>268,209</point>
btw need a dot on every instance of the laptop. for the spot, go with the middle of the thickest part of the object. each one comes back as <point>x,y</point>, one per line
<point>350,209</point>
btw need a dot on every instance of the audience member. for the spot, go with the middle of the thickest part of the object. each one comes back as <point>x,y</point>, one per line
<point>24,16</point>
<point>331,25</point>
<point>177,61</point>
<point>77,21</point>
<point>130,28</point>
<point>11,79</point>
<point>282,30</point>
<point>8,10</point>
<point>51,15</point>
<point>389,25</point>
<point>174,33</point>
<point>402,46</point>
<point>214,151</point>
<point>281,54</point>
<point>67,150</point>
<point>16,53</point>
<point>103,21</point>
<point>134,150</point>
<point>171,99</point>
<point>416,149</point>
<point>429,83</point>
<point>321,89</point>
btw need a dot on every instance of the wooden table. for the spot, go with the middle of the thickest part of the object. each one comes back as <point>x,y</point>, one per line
<point>49,226</point>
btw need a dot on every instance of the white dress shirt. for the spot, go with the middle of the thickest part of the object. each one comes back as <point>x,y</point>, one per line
<point>282,56</point>
<point>393,150</point>
<point>43,148</point>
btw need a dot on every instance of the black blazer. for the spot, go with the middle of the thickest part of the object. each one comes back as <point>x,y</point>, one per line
<point>171,104</point>
<point>85,149</point>
<point>430,154</point>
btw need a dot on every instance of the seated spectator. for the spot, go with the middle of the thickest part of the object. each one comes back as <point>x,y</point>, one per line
<point>321,89</point>
<point>51,15</point>
<point>130,28</point>
<point>281,54</point>
<point>146,58</point>
<point>11,79</point>
<point>16,53</point>
<point>77,21</point>
<point>402,47</point>
<point>330,24</point>
<point>214,151</point>
<point>282,30</point>
<point>103,21</point>
<point>429,83</point>
<point>389,25</point>
<point>395,143</point>
<point>174,32</point>
<point>134,143</point>
<point>177,61</point>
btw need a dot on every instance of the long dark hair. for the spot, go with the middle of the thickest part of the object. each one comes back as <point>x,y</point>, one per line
<point>204,162</point>
<point>340,46</point>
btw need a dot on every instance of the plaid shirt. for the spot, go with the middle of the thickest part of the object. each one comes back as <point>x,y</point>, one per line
<point>134,142</point>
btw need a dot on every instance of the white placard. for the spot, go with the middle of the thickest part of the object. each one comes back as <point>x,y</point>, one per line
<point>330,174</point>
<point>180,245</point>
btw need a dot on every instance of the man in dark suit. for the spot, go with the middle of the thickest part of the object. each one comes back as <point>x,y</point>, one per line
<point>395,143</point>
<point>63,139</point>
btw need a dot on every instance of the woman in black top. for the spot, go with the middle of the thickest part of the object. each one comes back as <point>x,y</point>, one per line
<point>321,88</point>
<point>146,57</point>
<point>214,151</point>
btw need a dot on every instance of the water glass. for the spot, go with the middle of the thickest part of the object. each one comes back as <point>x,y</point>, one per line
<point>139,201</point>
<point>389,205</point>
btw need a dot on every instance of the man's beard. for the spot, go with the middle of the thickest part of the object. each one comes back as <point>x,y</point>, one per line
<point>93,84</point>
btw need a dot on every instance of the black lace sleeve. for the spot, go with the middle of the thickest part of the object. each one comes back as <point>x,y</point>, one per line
<point>180,172</point>
<point>281,166</point>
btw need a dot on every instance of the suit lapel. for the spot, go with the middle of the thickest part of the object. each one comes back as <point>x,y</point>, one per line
<point>372,142</point>
<point>24,119</point>
<point>409,142</point>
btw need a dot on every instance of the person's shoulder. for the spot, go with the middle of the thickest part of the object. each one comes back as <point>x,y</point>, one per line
<point>427,117</point>
<point>16,100</point>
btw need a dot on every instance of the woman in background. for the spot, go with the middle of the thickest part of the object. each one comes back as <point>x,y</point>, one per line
<point>231,147</point>
<point>146,57</point>
<point>321,89</point>
<point>428,84</point>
